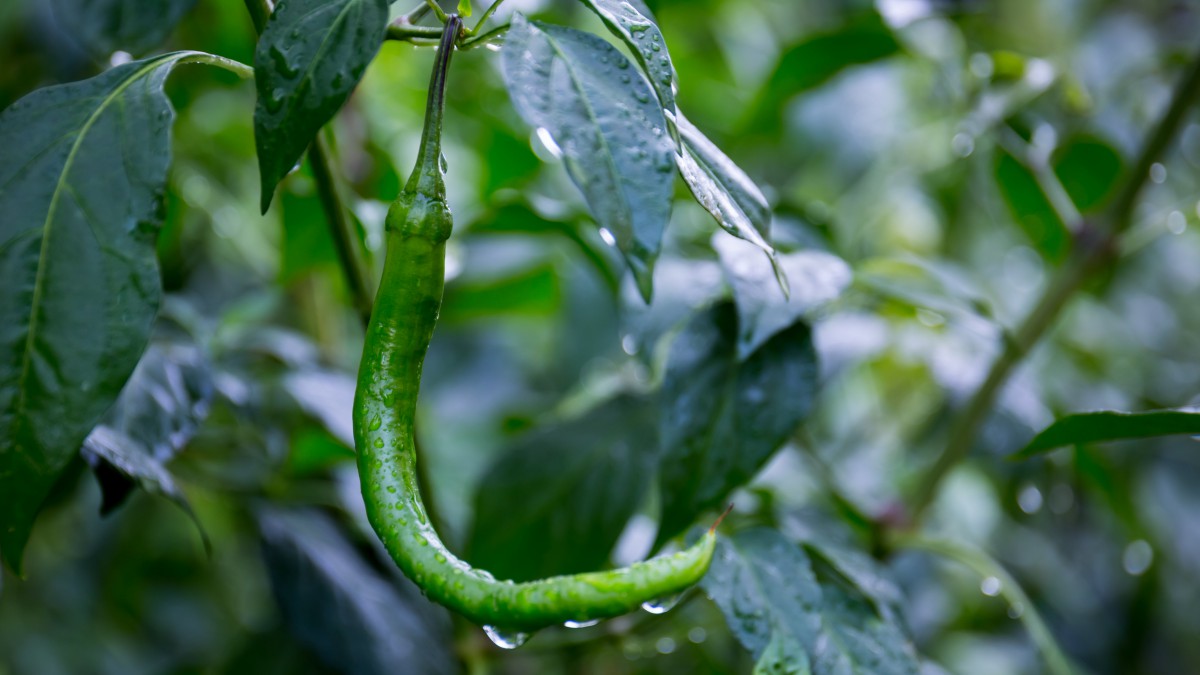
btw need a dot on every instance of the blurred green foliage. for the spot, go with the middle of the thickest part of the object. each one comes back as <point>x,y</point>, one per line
<point>912,138</point>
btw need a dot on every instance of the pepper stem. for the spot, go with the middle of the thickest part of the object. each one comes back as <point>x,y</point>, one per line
<point>426,177</point>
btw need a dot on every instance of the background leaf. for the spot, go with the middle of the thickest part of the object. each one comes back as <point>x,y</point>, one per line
<point>159,410</point>
<point>1099,427</point>
<point>815,278</point>
<point>724,417</point>
<point>134,26</point>
<point>608,126</point>
<point>566,490</point>
<point>798,614</point>
<point>309,58</point>
<point>80,203</point>
<point>353,618</point>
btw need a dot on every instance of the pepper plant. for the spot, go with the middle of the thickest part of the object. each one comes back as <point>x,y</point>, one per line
<point>864,341</point>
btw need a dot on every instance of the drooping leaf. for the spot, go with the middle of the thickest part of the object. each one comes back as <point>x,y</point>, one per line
<point>924,284</point>
<point>1098,427</point>
<point>645,40</point>
<point>309,58</point>
<point>797,614</point>
<point>723,417</point>
<point>326,395</point>
<point>817,59</point>
<point>159,410</point>
<point>565,491</point>
<point>106,26</point>
<point>815,277</point>
<point>607,124</point>
<point>722,188</point>
<point>81,199</point>
<point>336,604</point>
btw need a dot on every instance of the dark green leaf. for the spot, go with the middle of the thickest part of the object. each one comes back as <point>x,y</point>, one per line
<point>818,58</point>
<point>645,40</point>
<point>1089,169</point>
<point>798,614</point>
<point>309,58</point>
<point>1096,427</point>
<point>158,412</point>
<point>1030,207</point>
<point>334,603</point>
<point>565,491</point>
<point>531,292</point>
<point>722,188</point>
<point>723,417</point>
<point>816,278</point>
<point>606,122</point>
<point>80,203</point>
<point>134,26</point>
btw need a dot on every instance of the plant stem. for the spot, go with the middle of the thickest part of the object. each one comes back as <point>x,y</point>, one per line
<point>984,565</point>
<point>407,32</point>
<point>260,12</point>
<point>473,42</point>
<point>414,15</point>
<point>1094,248</point>
<point>342,229</point>
<point>437,10</point>
<point>486,15</point>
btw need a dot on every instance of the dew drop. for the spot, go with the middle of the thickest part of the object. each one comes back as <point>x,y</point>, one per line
<point>581,624</point>
<point>379,442</point>
<point>990,586</point>
<point>543,135</point>
<point>376,422</point>
<point>661,605</point>
<point>505,639</point>
<point>442,163</point>
<point>607,236</point>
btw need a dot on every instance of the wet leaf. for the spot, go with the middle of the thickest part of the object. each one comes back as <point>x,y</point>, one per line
<point>797,614</point>
<point>566,491</point>
<point>723,417</point>
<point>1099,427</point>
<point>815,277</point>
<point>722,188</point>
<point>644,40</point>
<point>106,26</point>
<point>81,200</point>
<point>336,604</point>
<point>607,124</point>
<point>309,58</point>
<point>159,411</point>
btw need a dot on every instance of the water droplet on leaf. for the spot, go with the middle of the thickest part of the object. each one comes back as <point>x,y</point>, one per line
<point>505,639</point>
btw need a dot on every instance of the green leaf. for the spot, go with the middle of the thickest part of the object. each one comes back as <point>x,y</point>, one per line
<point>723,417</point>
<point>159,411</point>
<point>81,200</point>
<point>607,124</point>
<point>924,284</point>
<point>817,59</point>
<point>464,8</point>
<point>816,278</point>
<point>1098,427</point>
<point>134,26</point>
<point>798,614</point>
<point>1030,207</point>
<point>309,58</point>
<point>566,491</point>
<point>644,40</point>
<point>722,188</point>
<point>1089,169</point>
<point>336,604</point>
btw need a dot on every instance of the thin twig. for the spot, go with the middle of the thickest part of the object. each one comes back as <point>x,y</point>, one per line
<point>342,229</point>
<point>1094,248</point>
<point>485,38</point>
<point>437,10</point>
<point>407,32</point>
<point>485,16</point>
<point>985,566</point>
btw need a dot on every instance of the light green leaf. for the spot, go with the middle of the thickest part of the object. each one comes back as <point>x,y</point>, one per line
<point>644,40</point>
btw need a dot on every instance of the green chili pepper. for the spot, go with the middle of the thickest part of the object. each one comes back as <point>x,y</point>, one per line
<point>405,311</point>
